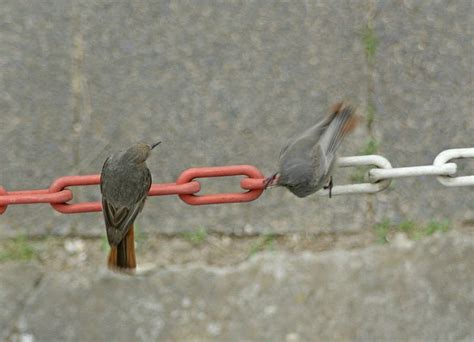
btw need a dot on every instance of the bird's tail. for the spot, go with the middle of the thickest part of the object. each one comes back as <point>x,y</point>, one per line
<point>343,121</point>
<point>122,256</point>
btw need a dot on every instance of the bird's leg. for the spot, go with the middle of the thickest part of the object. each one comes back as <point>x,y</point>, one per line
<point>269,180</point>
<point>329,186</point>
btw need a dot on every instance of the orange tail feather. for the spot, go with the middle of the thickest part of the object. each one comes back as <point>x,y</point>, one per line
<point>123,256</point>
<point>112,259</point>
<point>351,122</point>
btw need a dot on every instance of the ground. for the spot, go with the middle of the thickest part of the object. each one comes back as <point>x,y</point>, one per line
<point>210,287</point>
<point>66,253</point>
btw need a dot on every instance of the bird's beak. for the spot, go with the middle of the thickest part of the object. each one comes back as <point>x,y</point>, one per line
<point>152,146</point>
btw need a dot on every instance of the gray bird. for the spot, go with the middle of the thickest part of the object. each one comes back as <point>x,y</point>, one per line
<point>125,181</point>
<point>307,160</point>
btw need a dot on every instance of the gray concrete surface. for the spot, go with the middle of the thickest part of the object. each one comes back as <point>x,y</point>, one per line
<point>227,83</point>
<point>405,292</point>
<point>17,282</point>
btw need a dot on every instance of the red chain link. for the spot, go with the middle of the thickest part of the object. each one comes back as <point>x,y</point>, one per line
<point>57,195</point>
<point>221,171</point>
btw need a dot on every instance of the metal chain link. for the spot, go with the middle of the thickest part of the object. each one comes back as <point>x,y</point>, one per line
<point>381,176</point>
<point>187,188</point>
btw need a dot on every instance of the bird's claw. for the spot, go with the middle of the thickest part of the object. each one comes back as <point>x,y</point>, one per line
<point>329,186</point>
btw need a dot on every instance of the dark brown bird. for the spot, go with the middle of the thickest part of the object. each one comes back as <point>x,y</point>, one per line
<point>307,160</point>
<point>125,181</point>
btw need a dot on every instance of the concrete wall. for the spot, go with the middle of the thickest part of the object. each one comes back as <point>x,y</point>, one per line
<point>411,292</point>
<point>227,83</point>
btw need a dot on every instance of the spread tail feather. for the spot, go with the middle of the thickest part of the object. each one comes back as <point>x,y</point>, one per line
<point>122,256</point>
<point>343,122</point>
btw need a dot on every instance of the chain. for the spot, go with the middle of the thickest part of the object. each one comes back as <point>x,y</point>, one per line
<point>381,176</point>
<point>187,188</point>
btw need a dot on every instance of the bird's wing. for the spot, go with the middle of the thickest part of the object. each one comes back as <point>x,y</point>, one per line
<point>322,161</point>
<point>119,219</point>
<point>307,138</point>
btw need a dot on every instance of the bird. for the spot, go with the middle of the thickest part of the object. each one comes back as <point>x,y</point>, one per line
<point>307,160</point>
<point>124,184</point>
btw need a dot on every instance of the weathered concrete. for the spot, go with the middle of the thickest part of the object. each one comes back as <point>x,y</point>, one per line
<point>227,83</point>
<point>407,291</point>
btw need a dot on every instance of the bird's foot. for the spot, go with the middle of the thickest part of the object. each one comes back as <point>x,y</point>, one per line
<point>329,186</point>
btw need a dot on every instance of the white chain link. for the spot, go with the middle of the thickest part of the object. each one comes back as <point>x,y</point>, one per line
<point>381,176</point>
<point>458,153</point>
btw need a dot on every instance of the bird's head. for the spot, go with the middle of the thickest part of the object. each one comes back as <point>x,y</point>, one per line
<point>140,152</point>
